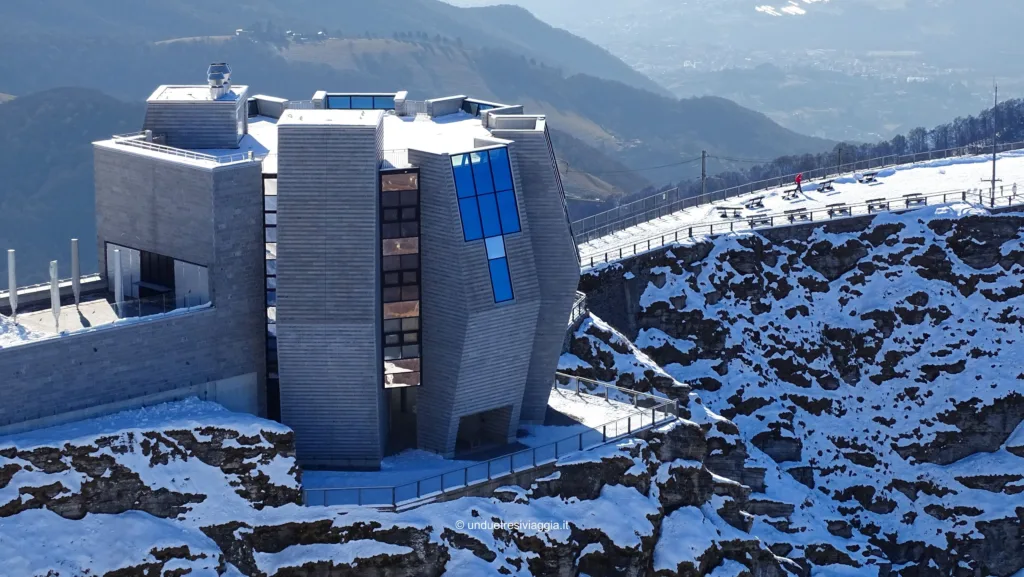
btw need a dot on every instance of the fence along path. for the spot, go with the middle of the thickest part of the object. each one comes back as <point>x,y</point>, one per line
<point>651,411</point>
<point>669,201</point>
<point>896,203</point>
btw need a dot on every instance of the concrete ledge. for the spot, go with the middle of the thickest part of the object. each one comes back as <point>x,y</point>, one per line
<point>41,293</point>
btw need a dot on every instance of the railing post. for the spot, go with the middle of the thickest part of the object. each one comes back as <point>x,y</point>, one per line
<point>394,497</point>
<point>419,492</point>
<point>359,497</point>
<point>629,424</point>
<point>489,469</point>
<point>604,433</point>
<point>580,436</point>
<point>465,477</point>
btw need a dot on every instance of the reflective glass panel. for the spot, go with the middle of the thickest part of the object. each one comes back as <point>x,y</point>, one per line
<point>482,172</point>
<point>470,219</point>
<point>500,169</point>
<point>384,102</point>
<point>509,212</point>
<point>489,215</point>
<point>501,282</point>
<point>463,175</point>
<point>338,102</point>
<point>495,247</point>
<point>362,102</point>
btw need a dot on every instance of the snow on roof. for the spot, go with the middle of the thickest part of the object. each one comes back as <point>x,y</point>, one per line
<point>12,334</point>
<point>194,93</point>
<point>952,175</point>
<point>449,134</point>
<point>320,117</point>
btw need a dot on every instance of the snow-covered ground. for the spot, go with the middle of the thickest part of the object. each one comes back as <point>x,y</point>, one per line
<point>952,175</point>
<point>591,412</point>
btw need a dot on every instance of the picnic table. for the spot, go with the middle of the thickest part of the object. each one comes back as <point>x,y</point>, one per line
<point>760,221</point>
<point>756,202</point>
<point>914,199</point>
<point>838,209</point>
<point>724,211</point>
<point>826,186</point>
<point>877,204</point>
<point>797,214</point>
<point>869,177</point>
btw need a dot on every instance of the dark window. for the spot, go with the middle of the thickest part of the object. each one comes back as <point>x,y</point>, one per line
<point>400,290</point>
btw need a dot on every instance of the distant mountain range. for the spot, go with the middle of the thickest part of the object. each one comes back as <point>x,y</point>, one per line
<point>612,134</point>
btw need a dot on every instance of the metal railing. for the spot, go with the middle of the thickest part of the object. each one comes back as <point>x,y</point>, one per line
<point>299,105</point>
<point>396,158</point>
<point>669,201</point>
<point>650,412</point>
<point>155,305</point>
<point>224,159</point>
<point>413,107</point>
<point>1007,196</point>
<point>579,308</point>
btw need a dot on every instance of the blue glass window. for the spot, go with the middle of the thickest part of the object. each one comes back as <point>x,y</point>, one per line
<point>339,102</point>
<point>495,247</point>
<point>463,176</point>
<point>500,168</point>
<point>384,102</point>
<point>489,214</point>
<point>487,204</point>
<point>470,219</point>
<point>509,212</point>
<point>362,102</point>
<point>501,282</point>
<point>482,172</point>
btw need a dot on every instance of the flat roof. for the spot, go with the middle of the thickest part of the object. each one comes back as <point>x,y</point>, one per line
<point>346,117</point>
<point>449,134</point>
<point>194,93</point>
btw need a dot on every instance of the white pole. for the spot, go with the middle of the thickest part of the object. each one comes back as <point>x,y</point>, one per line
<point>118,282</point>
<point>55,294</point>
<point>12,285</point>
<point>76,272</point>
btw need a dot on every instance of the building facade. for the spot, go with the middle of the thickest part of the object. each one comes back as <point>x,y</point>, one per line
<point>375,272</point>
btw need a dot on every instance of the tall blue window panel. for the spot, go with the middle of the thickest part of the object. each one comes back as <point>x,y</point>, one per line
<point>497,262</point>
<point>487,205</point>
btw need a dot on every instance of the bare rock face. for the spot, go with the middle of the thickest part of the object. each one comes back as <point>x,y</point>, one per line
<point>878,362</point>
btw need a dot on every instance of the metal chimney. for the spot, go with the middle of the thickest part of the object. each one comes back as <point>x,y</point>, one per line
<point>219,78</point>
<point>12,285</point>
<point>55,294</point>
<point>76,273</point>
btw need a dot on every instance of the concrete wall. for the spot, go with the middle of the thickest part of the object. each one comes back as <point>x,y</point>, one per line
<point>445,106</point>
<point>114,365</point>
<point>476,353</point>
<point>196,125</point>
<point>328,293</point>
<point>557,262</point>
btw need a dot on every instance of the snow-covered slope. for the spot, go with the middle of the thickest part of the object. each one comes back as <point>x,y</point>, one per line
<point>952,175</point>
<point>878,366</point>
<point>190,489</point>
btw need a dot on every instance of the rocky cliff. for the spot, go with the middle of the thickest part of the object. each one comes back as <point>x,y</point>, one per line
<point>875,363</point>
<point>190,489</point>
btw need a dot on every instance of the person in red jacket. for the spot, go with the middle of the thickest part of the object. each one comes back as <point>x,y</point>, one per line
<point>799,179</point>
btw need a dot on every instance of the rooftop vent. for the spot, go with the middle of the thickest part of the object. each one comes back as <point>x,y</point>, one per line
<point>219,78</point>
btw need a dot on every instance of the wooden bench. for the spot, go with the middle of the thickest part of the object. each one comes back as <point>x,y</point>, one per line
<point>724,211</point>
<point>869,177</point>
<point>797,214</point>
<point>754,203</point>
<point>838,209</point>
<point>760,221</point>
<point>826,186</point>
<point>790,194</point>
<point>915,199</point>
<point>878,204</point>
